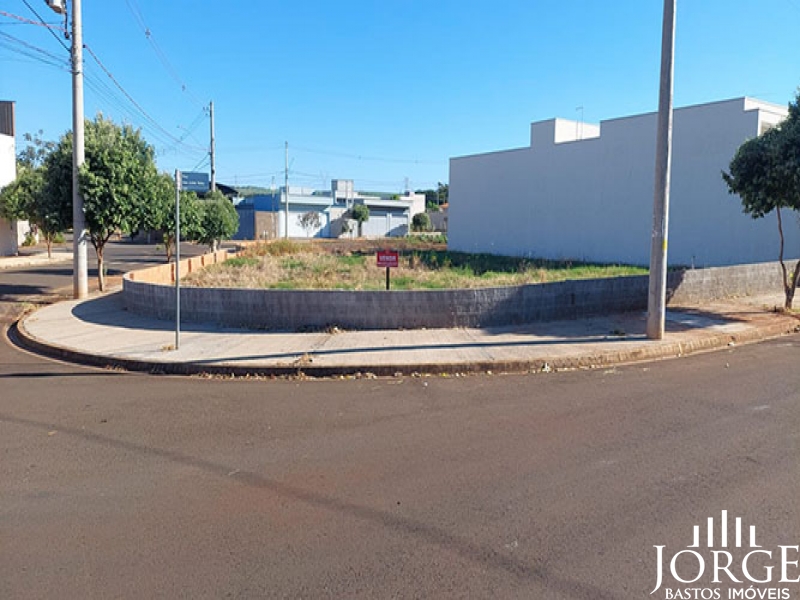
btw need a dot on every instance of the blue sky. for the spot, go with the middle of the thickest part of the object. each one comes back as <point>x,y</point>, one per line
<point>383,92</point>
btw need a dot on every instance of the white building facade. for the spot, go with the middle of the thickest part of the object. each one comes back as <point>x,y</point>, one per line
<point>12,233</point>
<point>585,192</point>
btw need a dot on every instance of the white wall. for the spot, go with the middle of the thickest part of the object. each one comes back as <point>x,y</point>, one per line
<point>295,230</point>
<point>8,163</point>
<point>592,199</point>
<point>12,234</point>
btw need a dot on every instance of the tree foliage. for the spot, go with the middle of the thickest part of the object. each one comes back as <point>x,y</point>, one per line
<point>18,196</point>
<point>121,187</point>
<point>435,198</point>
<point>118,174</point>
<point>26,198</point>
<point>157,213</point>
<point>765,173</point>
<point>443,193</point>
<point>360,214</point>
<point>35,151</point>
<point>421,222</point>
<point>218,219</point>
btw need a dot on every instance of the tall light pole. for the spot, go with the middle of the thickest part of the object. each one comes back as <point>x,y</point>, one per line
<point>80,278</point>
<point>656,298</point>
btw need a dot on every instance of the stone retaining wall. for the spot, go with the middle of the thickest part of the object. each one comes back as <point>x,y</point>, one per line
<point>149,292</point>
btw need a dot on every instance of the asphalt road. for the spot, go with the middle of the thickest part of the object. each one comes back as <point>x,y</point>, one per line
<point>116,485</point>
<point>120,257</point>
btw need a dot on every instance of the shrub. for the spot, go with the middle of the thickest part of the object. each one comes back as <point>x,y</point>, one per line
<point>421,222</point>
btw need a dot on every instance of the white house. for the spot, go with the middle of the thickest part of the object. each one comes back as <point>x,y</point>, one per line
<point>264,216</point>
<point>585,192</point>
<point>12,233</point>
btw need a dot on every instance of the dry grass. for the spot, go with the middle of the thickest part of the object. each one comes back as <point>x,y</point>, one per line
<point>351,265</point>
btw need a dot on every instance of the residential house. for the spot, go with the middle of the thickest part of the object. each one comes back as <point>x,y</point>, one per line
<point>264,216</point>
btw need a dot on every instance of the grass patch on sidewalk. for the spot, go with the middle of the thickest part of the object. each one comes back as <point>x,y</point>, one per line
<point>351,265</point>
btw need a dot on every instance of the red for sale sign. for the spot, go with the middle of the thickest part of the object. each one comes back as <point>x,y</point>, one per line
<point>388,258</point>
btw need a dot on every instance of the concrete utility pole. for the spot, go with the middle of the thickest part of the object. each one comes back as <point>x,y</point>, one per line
<point>286,191</point>
<point>213,150</point>
<point>656,299</point>
<point>80,274</point>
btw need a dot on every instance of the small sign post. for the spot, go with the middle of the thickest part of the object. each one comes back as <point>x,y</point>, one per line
<point>389,259</point>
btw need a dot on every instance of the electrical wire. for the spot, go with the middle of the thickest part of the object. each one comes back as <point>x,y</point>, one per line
<point>31,51</point>
<point>367,158</point>
<point>95,84</point>
<point>130,98</point>
<point>41,23</point>
<point>162,57</point>
<point>202,163</point>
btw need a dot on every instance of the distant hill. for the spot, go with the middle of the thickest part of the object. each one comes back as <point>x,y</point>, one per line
<point>251,190</point>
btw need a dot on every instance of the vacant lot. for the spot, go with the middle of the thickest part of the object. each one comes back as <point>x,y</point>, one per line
<point>351,265</point>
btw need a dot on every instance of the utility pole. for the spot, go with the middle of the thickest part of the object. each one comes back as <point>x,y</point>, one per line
<point>656,299</point>
<point>80,272</point>
<point>213,150</point>
<point>286,191</point>
<point>80,276</point>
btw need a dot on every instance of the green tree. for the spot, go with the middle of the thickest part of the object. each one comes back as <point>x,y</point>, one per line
<point>158,213</point>
<point>435,198</point>
<point>443,193</point>
<point>35,151</point>
<point>421,222</point>
<point>765,173</point>
<point>17,197</point>
<point>118,175</point>
<point>25,198</point>
<point>360,214</point>
<point>431,199</point>
<point>218,220</point>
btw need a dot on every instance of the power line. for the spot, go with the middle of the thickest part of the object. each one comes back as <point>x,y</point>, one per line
<point>369,158</point>
<point>34,52</point>
<point>24,21</point>
<point>162,57</point>
<point>94,83</point>
<point>188,131</point>
<point>48,27</point>
<point>130,98</point>
<point>202,163</point>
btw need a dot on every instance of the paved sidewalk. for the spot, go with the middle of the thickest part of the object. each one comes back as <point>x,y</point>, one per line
<point>100,331</point>
<point>35,259</point>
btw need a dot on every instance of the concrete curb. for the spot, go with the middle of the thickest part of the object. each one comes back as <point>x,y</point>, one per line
<point>19,335</point>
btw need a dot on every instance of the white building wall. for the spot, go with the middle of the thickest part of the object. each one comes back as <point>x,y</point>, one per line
<point>592,199</point>
<point>295,230</point>
<point>8,164</point>
<point>12,233</point>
